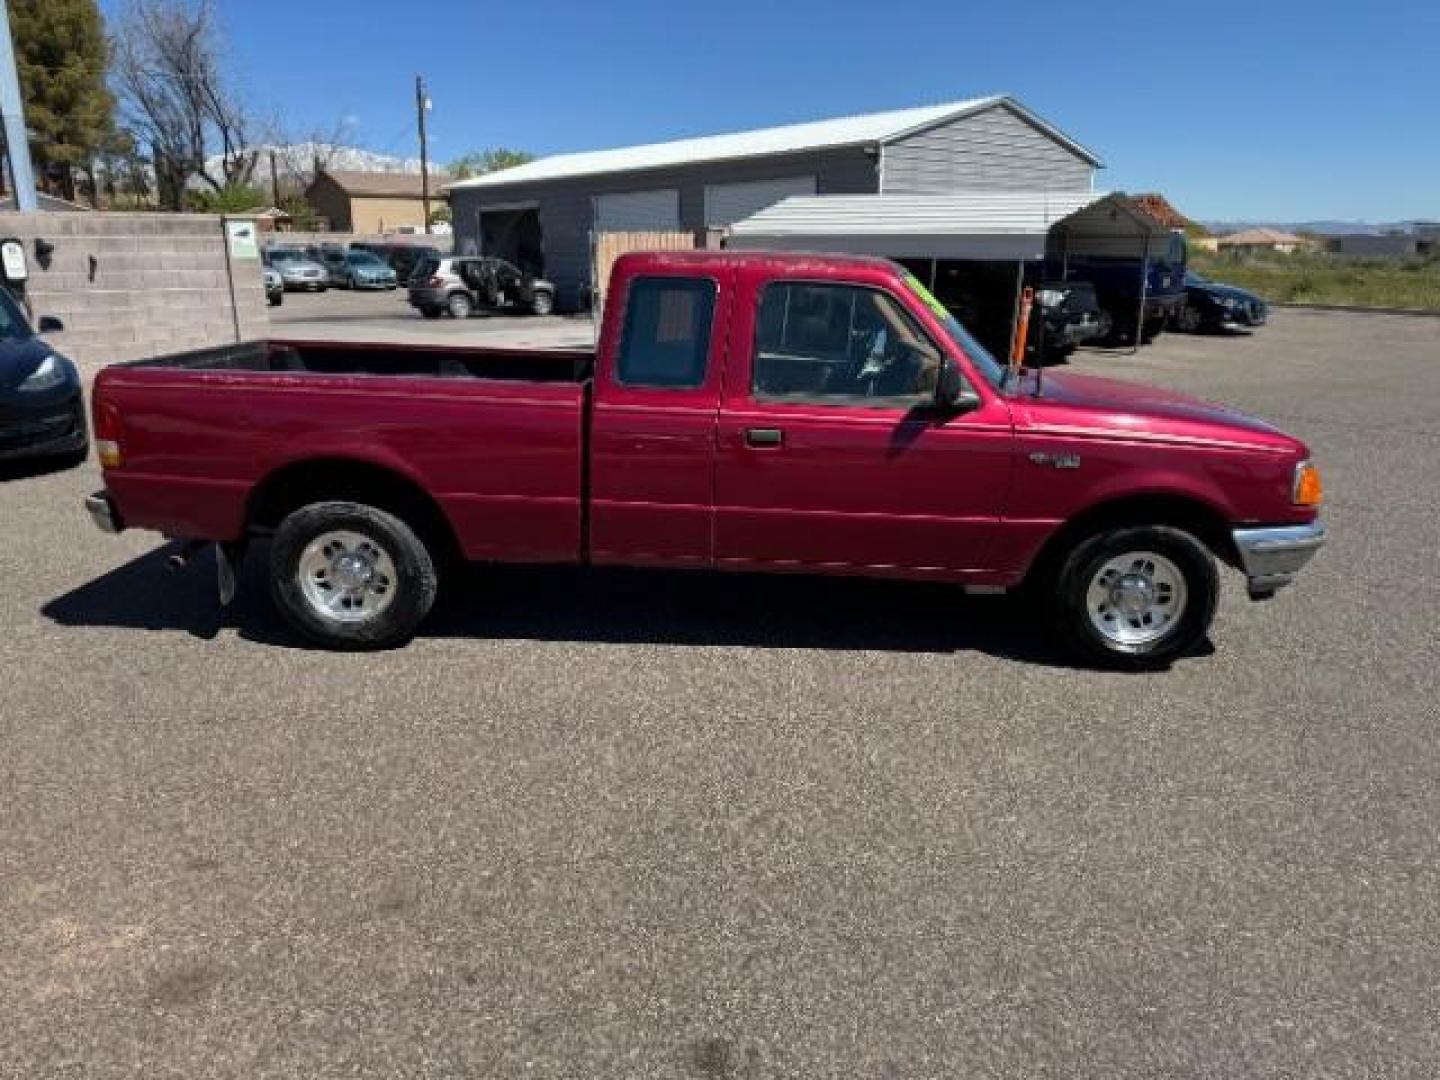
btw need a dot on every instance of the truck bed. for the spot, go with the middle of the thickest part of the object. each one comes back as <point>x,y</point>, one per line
<point>286,356</point>
<point>494,436</point>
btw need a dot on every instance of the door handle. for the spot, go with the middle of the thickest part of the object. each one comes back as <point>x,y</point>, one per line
<point>764,436</point>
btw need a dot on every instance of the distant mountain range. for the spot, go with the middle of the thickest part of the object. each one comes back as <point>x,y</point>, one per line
<point>298,159</point>
<point>1326,228</point>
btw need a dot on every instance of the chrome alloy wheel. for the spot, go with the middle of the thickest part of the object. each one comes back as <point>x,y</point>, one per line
<point>346,576</point>
<point>1136,598</point>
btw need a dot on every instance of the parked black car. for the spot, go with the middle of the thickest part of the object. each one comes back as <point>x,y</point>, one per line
<point>42,409</point>
<point>1209,305</point>
<point>1066,314</point>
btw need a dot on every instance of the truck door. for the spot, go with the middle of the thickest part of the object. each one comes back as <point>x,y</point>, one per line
<point>652,441</point>
<point>831,451</point>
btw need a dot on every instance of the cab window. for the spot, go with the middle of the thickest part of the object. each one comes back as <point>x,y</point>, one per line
<point>843,345</point>
<point>666,341</point>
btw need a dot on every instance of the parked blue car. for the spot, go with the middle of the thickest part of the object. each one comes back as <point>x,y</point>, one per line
<point>42,405</point>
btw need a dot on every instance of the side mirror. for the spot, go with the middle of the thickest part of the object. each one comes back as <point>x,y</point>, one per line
<point>951,391</point>
<point>49,324</point>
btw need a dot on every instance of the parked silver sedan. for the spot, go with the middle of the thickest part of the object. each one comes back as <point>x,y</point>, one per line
<point>298,273</point>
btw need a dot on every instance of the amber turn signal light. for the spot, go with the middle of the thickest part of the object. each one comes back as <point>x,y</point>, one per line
<point>108,451</point>
<point>1308,490</point>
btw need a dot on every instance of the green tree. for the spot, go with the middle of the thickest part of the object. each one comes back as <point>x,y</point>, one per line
<point>62,57</point>
<point>232,199</point>
<point>479,162</point>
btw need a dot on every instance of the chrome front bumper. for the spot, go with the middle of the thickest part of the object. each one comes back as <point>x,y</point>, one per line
<point>1271,556</point>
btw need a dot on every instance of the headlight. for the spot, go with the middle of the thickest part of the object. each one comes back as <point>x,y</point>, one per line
<point>1050,297</point>
<point>49,374</point>
<point>1306,489</point>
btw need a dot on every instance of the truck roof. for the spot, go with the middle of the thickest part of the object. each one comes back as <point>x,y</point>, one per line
<point>788,259</point>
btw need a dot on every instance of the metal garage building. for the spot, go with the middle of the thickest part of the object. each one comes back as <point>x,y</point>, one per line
<point>543,215</point>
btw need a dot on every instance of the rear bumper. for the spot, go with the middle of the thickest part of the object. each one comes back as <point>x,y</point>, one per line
<point>102,511</point>
<point>1271,556</point>
<point>429,297</point>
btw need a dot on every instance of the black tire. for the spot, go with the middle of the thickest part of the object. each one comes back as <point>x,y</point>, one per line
<point>1187,319</point>
<point>543,303</point>
<point>1083,564</point>
<point>432,312</point>
<point>415,585</point>
<point>1152,328</point>
<point>459,305</point>
<point>276,299</point>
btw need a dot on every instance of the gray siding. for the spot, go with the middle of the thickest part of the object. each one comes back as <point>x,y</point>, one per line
<point>994,149</point>
<point>566,212</point>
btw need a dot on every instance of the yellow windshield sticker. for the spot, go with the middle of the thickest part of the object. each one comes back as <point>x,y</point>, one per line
<point>940,310</point>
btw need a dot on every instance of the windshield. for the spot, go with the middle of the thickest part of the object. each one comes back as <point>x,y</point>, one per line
<point>1192,278</point>
<point>364,258</point>
<point>279,255</point>
<point>990,368</point>
<point>13,326</point>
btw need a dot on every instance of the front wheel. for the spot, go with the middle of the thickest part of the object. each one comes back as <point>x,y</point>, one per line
<point>1136,596</point>
<point>1187,319</point>
<point>542,304</point>
<point>459,306</point>
<point>351,576</point>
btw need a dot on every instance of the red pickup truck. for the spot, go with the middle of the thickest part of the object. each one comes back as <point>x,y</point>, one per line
<point>743,411</point>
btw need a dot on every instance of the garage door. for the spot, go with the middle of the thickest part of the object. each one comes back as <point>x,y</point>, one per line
<point>726,204</point>
<point>638,211</point>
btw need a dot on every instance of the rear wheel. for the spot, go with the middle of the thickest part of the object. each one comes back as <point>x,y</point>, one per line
<point>432,312</point>
<point>459,306</point>
<point>1136,596</point>
<point>542,304</point>
<point>351,576</point>
<point>1187,319</point>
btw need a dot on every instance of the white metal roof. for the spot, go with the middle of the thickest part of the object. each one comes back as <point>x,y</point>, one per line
<point>878,127</point>
<point>966,213</point>
<point>980,224</point>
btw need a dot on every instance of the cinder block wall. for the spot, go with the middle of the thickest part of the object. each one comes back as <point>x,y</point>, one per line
<point>134,285</point>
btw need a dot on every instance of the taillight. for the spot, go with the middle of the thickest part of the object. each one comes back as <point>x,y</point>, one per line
<point>435,282</point>
<point>107,432</point>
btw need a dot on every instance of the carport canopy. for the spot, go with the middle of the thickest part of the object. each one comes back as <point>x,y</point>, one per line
<point>990,226</point>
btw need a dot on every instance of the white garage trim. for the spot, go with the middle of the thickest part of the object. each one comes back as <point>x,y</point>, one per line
<point>726,204</point>
<point>501,207</point>
<point>638,211</point>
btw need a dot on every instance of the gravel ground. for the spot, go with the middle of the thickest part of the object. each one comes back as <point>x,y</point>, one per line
<point>626,824</point>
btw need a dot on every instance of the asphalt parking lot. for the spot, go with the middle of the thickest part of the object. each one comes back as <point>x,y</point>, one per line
<point>386,316</point>
<point>627,824</point>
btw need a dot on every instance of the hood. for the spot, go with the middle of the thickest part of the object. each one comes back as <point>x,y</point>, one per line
<point>19,358</point>
<point>1070,400</point>
<point>1233,292</point>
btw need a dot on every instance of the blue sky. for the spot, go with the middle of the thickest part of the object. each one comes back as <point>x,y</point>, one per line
<point>1274,109</point>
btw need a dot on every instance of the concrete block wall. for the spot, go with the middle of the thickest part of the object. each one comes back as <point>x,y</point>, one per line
<point>134,285</point>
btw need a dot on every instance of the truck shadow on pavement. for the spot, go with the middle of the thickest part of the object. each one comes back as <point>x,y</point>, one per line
<point>611,606</point>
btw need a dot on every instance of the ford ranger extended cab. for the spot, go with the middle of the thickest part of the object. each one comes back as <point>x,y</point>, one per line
<point>743,410</point>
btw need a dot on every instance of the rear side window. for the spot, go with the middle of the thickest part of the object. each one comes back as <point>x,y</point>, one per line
<point>667,332</point>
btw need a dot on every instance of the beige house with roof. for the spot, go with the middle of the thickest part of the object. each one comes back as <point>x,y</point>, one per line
<point>1264,239</point>
<point>361,202</point>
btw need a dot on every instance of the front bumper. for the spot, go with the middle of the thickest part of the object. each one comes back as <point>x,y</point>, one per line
<point>39,432</point>
<point>102,511</point>
<point>315,284</point>
<point>1271,556</point>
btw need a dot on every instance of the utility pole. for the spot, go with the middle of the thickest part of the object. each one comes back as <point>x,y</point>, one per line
<point>12,105</point>
<point>422,104</point>
<point>274,181</point>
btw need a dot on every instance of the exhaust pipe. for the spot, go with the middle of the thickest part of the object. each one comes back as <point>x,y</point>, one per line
<point>179,560</point>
